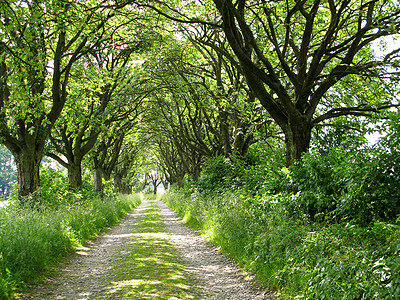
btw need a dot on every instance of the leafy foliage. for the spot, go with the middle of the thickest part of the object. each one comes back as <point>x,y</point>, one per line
<point>32,239</point>
<point>347,183</point>
<point>237,173</point>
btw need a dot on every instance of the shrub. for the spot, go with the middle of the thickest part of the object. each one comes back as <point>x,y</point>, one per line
<point>339,186</point>
<point>216,175</point>
<point>256,173</point>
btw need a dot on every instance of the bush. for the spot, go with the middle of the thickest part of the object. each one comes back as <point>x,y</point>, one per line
<point>339,186</point>
<point>256,173</point>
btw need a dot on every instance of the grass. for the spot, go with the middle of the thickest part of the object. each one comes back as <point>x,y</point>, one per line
<point>299,260</point>
<point>149,267</point>
<point>32,240</point>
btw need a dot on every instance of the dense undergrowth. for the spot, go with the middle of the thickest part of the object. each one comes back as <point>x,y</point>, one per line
<point>326,228</point>
<point>54,222</point>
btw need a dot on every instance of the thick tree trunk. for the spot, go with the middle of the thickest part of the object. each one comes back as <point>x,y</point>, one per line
<point>28,161</point>
<point>122,186</point>
<point>195,170</point>
<point>177,181</point>
<point>98,180</point>
<point>225,135</point>
<point>297,140</point>
<point>242,144</point>
<point>75,176</point>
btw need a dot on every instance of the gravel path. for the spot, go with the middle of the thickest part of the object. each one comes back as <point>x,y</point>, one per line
<point>85,275</point>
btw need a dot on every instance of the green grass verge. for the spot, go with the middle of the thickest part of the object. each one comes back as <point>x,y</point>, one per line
<point>148,267</point>
<point>32,240</point>
<point>298,260</point>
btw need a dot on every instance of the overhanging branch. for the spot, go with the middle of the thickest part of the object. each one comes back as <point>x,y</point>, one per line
<point>362,110</point>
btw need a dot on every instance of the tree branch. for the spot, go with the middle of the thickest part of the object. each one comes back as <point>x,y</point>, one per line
<point>361,110</point>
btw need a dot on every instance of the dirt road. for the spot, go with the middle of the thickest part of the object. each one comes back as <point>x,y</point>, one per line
<point>201,271</point>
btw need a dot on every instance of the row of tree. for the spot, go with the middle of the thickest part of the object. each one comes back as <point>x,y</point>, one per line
<point>97,82</point>
<point>70,85</point>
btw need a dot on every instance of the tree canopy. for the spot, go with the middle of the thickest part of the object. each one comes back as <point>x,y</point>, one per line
<point>198,79</point>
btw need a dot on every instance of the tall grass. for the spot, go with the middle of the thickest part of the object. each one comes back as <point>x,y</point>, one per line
<point>296,258</point>
<point>32,239</point>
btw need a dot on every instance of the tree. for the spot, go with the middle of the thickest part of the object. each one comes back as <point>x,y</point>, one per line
<point>107,151</point>
<point>98,89</point>
<point>40,42</point>
<point>153,178</point>
<point>294,53</point>
<point>129,161</point>
<point>77,128</point>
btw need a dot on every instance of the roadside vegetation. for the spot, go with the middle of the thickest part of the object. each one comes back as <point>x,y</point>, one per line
<point>326,228</point>
<point>35,237</point>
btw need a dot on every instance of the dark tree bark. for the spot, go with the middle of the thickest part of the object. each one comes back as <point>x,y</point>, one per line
<point>98,180</point>
<point>75,176</point>
<point>28,161</point>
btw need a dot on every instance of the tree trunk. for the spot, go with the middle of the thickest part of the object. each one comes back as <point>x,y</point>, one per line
<point>98,180</point>
<point>225,135</point>
<point>118,183</point>
<point>28,162</point>
<point>196,172</point>
<point>297,139</point>
<point>179,181</point>
<point>75,176</point>
<point>122,186</point>
<point>242,143</point>
<point>165,184</point>
<point>155,186</point>
<point>125,189</point>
